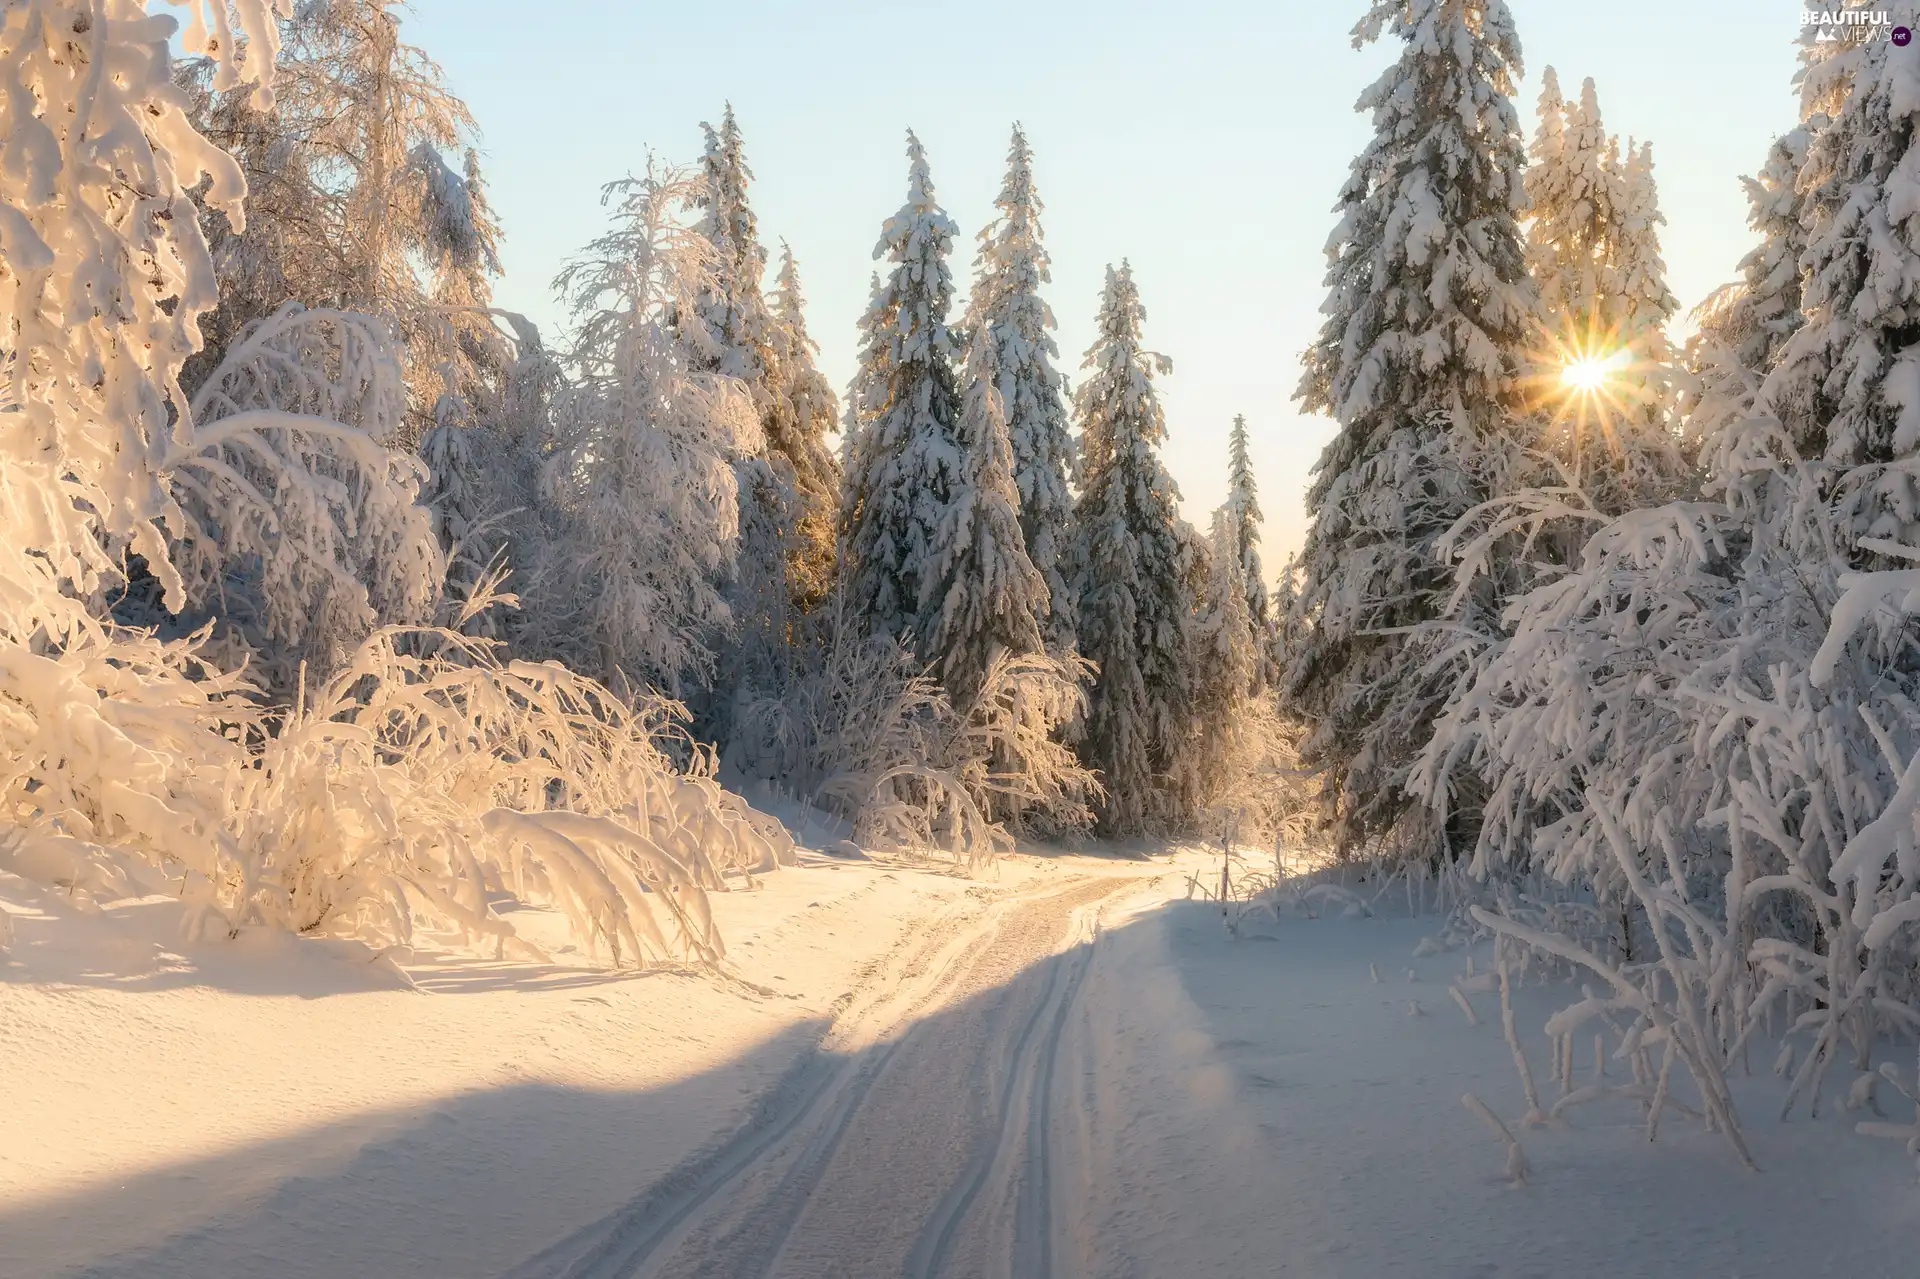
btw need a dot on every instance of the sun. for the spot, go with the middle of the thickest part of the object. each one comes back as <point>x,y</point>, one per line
<point>1590,374</point>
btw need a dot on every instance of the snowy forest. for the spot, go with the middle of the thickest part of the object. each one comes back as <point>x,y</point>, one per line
<point>342,598</point>
<point>337,601</point>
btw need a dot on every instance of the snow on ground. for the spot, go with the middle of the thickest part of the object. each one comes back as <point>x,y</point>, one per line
<point>1066,1069</point>
<point>1320,1131</point>
<point>280,1107</point>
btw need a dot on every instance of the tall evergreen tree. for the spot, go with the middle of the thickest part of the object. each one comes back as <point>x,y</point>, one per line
<point>1227,658</point>
<point>1574,193</point>
<point>904,456</point>
<point>1594,252</point>
<point>801,416</point>
<point>734,311</point>
<point>1848,384</point>
<point>1243,502</point>
<point>1645,302</point>
<point>1006,309</point>
<point>1744,326</point>
<point>1428,310</point>
<point>1136,559</point>
<point>980,595</point>
<point>789,490</point>
<point>1755,318</point>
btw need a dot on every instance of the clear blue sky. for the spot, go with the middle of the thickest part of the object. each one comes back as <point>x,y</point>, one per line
<point>1204,139</point>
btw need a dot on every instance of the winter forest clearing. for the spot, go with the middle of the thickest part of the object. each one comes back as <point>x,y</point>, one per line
<point>594,799</point>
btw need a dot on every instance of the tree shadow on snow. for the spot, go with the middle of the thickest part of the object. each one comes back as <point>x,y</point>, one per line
<point>1277,1112</point>
<point>139,944</point>
<point>526,1180</point>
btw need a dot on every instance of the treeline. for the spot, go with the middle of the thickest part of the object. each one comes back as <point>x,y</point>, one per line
<point>653,498</point>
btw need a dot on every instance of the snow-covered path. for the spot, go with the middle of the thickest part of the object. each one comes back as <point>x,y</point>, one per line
<point>918,1139</point>
<point>1068,1073</point>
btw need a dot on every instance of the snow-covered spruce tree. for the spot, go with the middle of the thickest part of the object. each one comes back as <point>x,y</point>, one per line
<point>903,458</point>
<point>727,333</point>
<point>1428,311</point>
<point>766,346</point>
<point>802,414</point>
<point>734,341</point>
<point>1575,193</point>
<point>1006,309</point>
<point>980,596</point>
<point>1602,378</point>
<point>1226,662</point>
<point>731,335</point>
<point>1646,303</point>
<point>354,205</point>
<point>1847,387</point>
<point>1744,326</point>
<point>646,494</point>
<point>1136,561</point>
<point>1827,66</point>
<point>1243,500</point>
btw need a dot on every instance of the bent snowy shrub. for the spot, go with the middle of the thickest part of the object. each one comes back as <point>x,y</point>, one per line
<point>429,775</point>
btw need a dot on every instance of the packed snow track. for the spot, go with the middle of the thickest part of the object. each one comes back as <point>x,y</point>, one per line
<point>930,1132</point>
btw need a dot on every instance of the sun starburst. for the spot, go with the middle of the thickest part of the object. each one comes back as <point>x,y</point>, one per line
<point>1583,381</point>
<point>1591,374</point>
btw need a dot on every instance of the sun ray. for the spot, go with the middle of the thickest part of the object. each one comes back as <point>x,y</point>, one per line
<point>1581,382</point>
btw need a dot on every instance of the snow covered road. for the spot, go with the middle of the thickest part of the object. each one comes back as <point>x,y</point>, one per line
<point>920,1138</point>
<point>1067,1072</point>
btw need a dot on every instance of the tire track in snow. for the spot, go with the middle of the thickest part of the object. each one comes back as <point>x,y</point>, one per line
<point>1018,1153</point>
<point>819,1096</point>
<point>756,1244</point>
<point>1033,1231</point>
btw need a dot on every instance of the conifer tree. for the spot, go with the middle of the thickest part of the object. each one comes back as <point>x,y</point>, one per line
<point>1594,252</point>
<point>798,421</point>
<point>1136,560</point>
<point>1226,657</point>
<point>1848,384</point>
<point>731,305</point>
<point>1429,308</point>
<point>1007,310</point>
<point>1574,192</point>
<point>980,595</point>
<point>1744,327</point>
<point>903,453</point>
<point>787,492</point>
<point>1243,503</point>
<point>1645,302</point>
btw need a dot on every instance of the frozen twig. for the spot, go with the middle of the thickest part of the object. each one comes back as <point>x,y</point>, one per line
<point>1518,1169</point>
